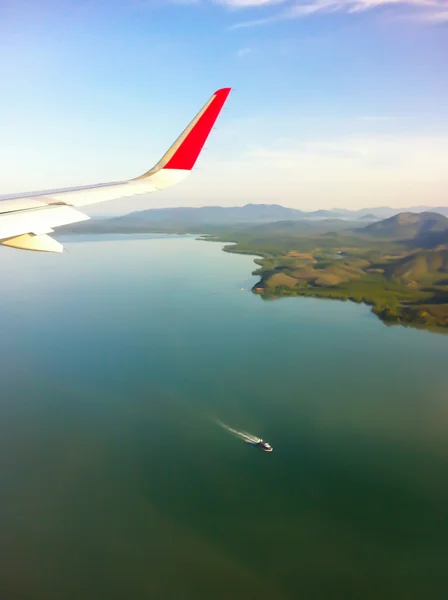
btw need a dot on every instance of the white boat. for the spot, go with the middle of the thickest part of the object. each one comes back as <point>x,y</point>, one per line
<point>264,446</point>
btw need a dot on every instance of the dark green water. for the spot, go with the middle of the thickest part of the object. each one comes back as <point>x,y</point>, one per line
<point>116,358</point>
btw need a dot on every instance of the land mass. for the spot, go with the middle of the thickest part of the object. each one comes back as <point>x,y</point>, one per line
<point>398,265</point>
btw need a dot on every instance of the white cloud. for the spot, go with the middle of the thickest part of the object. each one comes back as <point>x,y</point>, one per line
<point>424,10</point>
<point>431,11</point>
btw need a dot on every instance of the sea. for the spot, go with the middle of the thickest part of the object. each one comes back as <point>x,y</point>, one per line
<point>133,368</point>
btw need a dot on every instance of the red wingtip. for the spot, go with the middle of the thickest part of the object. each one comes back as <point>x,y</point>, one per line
<point>186,155</point>
<point>225,91</point>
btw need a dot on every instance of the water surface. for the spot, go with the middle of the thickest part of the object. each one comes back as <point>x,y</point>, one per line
<point>117,359</point>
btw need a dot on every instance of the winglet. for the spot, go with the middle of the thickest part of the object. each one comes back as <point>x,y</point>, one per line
<point>184,152</point>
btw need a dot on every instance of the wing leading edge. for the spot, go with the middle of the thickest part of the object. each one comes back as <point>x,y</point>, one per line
<point>26,221</point>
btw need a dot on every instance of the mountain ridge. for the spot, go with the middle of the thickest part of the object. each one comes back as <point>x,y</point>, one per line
<point>266,213</point>
<point>407,226</point>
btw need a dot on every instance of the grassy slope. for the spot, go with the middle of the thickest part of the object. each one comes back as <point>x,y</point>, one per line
<point>401,286</point>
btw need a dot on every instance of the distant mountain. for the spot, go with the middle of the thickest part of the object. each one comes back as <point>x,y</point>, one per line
<point>408,226</point>
<point>442,210</point>
<point>379,212</point>
<point>253,213</point>
<point>250,213</point>
<point>195,219</point>
<point>384,212</point>
<point>368,217</point>
<point>327,214</point>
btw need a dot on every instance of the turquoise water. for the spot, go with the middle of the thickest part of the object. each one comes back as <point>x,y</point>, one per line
<point>116,482</point>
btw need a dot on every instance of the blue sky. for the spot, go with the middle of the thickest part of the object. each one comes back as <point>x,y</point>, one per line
<point>334,102</point>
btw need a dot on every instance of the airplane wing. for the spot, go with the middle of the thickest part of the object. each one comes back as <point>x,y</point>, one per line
<point>26,220</point>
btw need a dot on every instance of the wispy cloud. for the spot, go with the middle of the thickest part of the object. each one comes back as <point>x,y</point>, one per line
<point>431,11</point>
<point>424,10</point>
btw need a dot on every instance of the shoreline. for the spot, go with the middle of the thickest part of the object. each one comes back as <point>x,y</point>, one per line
<point>408,314</point>
<point>402,315</point>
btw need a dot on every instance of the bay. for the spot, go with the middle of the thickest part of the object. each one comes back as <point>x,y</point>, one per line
<point>118,359</point>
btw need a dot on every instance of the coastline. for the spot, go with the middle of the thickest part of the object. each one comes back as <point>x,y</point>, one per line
<point>408,313</point>
<point>418,316</point>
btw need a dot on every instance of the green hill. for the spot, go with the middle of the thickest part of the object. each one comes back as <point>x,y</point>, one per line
<point>407,226</point>
<point>429,240</point>
<point>420,266</point>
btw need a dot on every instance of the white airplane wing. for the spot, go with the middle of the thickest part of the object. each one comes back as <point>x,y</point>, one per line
<point>26,220</point>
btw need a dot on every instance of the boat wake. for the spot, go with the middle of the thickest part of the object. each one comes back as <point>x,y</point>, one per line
<point>243,435</point>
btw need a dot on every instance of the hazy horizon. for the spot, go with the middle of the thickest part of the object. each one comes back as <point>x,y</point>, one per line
<point>366,210</point>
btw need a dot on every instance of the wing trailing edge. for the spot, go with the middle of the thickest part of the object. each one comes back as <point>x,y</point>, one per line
<point>37,243</point>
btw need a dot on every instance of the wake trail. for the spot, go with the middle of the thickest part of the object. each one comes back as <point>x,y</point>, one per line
<point>243,435</point>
